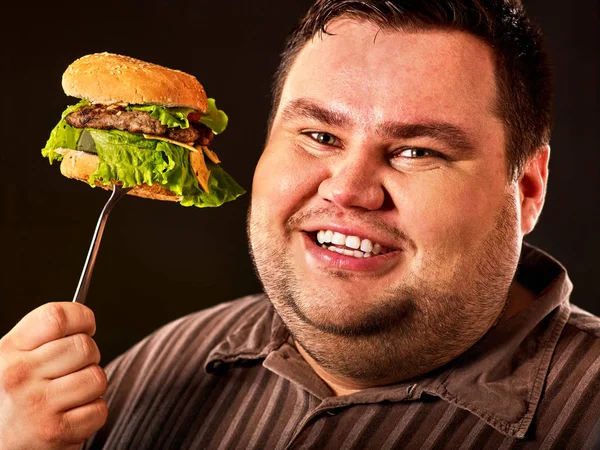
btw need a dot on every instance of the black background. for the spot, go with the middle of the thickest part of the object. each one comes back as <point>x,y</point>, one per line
<point>159,260</point>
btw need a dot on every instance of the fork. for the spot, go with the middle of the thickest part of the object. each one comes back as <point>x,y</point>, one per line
<point>88,267</point>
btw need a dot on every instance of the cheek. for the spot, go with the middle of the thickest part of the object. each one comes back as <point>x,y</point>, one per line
<point>449,216</point>
<point>283,181</point>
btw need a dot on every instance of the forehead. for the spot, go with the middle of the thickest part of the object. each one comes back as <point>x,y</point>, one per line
<point>373,74</point>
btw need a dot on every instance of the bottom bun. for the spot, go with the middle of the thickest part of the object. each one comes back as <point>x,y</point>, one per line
<point>80,166</point>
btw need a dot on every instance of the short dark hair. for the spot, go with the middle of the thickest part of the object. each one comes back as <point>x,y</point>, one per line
<point>523,73</point>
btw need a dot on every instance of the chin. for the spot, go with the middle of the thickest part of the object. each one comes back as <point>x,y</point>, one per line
<point>330,311</point>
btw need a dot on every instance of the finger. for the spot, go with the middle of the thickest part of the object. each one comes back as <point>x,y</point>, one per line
<point>49,322</point>
<point>80,423</point>
<point>76,389</point>
<point>63,356</point>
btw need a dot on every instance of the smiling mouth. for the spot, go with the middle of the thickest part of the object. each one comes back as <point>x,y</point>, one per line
<point>347,245</point>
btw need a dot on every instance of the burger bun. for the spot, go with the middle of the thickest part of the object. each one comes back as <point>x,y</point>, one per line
<point>107,78</point>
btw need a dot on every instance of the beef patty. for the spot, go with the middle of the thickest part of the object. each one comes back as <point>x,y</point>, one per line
<point>102,117</point>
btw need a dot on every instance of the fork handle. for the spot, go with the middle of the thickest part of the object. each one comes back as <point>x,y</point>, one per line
<point>88,267</point>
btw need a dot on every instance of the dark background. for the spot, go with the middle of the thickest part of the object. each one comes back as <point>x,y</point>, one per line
<point>160,260</point>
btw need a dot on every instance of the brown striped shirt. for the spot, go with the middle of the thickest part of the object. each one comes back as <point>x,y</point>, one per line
<point>230,378</point>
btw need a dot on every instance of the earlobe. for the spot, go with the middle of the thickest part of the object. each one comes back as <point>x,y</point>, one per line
<point>532,188</point>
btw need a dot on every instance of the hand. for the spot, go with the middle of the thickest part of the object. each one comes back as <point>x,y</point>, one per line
<point>50,380</point>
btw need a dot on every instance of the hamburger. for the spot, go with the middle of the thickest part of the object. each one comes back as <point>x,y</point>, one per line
<point>144,127</point>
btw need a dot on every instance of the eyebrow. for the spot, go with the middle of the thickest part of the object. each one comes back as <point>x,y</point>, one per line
<point>445,132</point>
<point>452,135</point>
<point>303,108</point>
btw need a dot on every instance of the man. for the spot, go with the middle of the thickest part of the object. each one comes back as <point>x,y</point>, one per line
<point>406,159</point>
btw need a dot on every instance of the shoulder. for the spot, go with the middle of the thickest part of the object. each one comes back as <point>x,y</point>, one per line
<point>159,374</point>
<point>185,344</point>
<point>570,405</point>
<point>213,323</point>
<point>577,353</point>
<point>196,333</point>
<point>584,321</point>
<point>578,347</point>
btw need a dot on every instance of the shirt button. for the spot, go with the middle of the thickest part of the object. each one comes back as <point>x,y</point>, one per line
<point>410,391</point>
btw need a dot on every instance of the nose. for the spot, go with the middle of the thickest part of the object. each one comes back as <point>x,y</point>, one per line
<point>354,182</point>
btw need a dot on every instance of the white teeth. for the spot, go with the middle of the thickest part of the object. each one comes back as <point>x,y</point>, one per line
<point>366,245</point>
<point>353,242</point>
<point>338,239</point>
<point>344,251</point>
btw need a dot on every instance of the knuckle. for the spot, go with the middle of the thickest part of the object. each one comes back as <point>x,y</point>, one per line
<point>36,401</point>
<point>97,377</point>
<point>14,376</point>
<point>90,318</point>
<point>55,432</point>
<point>101,411</point>
<point>56,317</point>
<point>84,345</point>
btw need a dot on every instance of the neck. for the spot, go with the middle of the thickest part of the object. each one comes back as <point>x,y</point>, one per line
<point>519,298</point>
<point>339,385</point>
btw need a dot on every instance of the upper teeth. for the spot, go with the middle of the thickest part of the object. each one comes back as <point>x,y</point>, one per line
<point>355,242</point>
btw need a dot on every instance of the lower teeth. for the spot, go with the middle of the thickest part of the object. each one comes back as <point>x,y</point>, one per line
<point>347,252</point>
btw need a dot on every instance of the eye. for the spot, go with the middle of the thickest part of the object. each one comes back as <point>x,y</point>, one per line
<point>323,138</point>
<point>416,159</point>
<point>415,153</point>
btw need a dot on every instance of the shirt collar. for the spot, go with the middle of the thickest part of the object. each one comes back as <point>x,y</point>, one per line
<point>255,338</point>
<point>499,379</point>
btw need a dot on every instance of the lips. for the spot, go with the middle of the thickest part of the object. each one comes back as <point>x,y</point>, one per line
<point>322,257</point>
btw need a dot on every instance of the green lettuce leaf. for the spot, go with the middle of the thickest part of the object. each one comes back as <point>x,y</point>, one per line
<point>72,108</point>
<point>171,117</point>
<point>215,119</point>
<point>63,135</point>
<point>133,160</point>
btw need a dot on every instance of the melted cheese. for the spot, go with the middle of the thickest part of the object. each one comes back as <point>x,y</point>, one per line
<point>200,170</point>
<point>208,152</point>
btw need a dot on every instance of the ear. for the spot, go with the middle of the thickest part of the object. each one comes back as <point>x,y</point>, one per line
<point>532,188</point>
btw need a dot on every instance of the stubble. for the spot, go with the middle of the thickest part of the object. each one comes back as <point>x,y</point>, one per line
<point>410,328</point>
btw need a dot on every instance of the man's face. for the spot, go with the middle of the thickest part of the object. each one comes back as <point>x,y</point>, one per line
<point>389,142</point>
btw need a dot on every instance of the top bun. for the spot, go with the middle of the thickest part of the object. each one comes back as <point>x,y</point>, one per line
<point>108,78</point>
